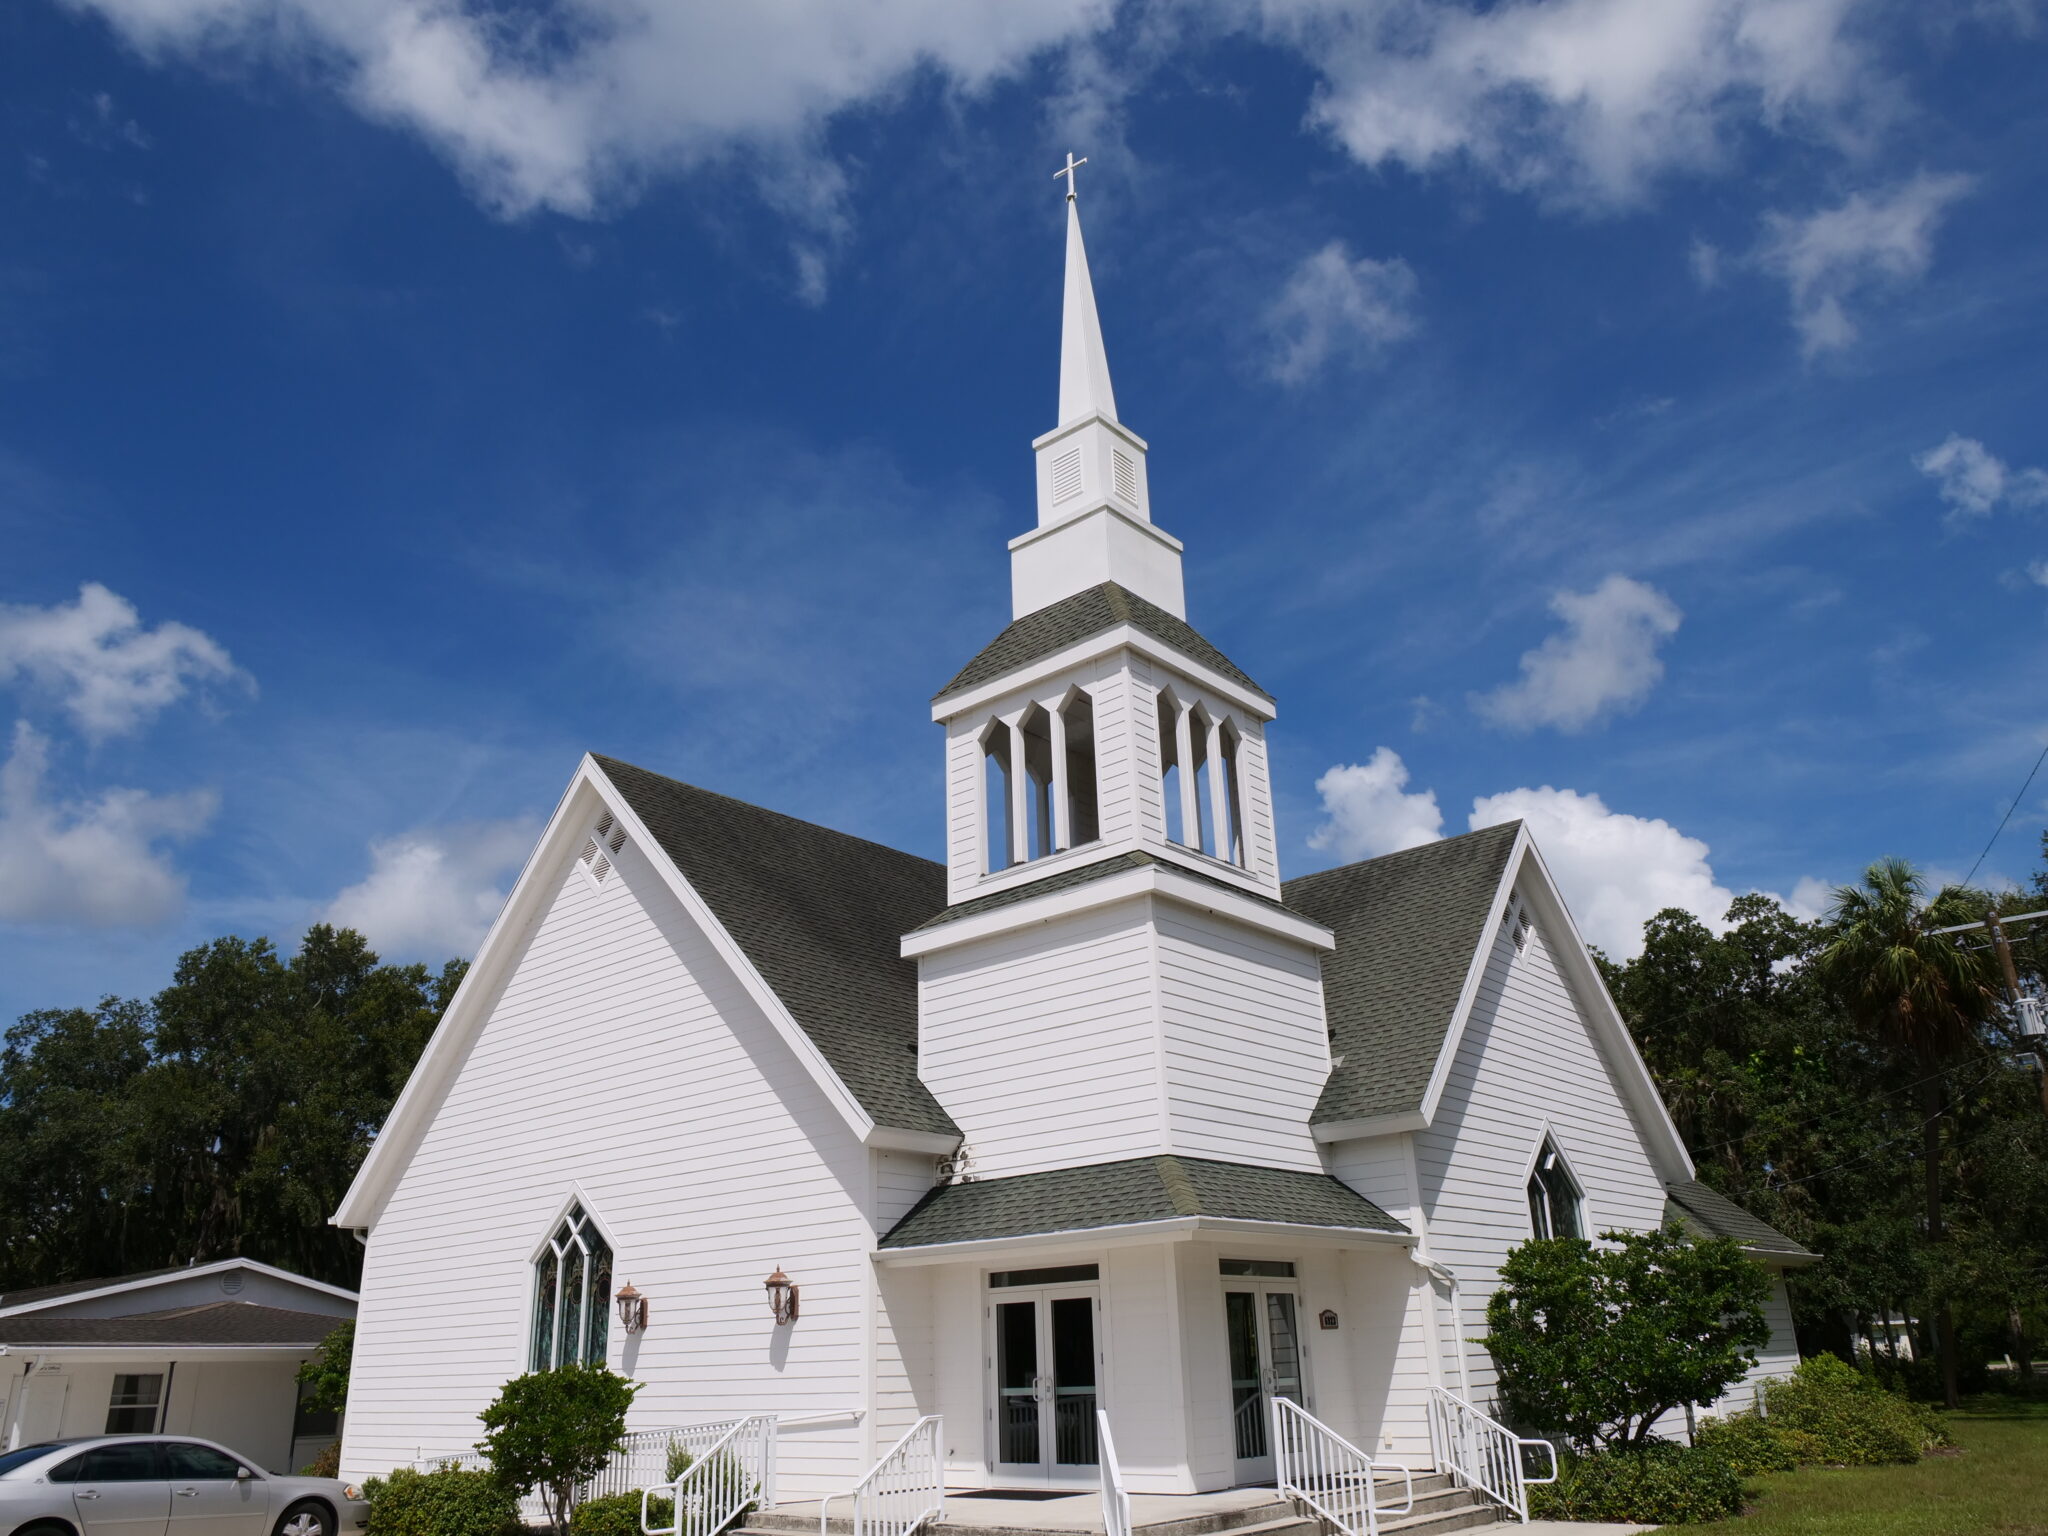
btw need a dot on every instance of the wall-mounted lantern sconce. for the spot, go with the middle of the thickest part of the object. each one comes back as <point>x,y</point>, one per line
<point>781,1296</point>
<point>632,1308</point>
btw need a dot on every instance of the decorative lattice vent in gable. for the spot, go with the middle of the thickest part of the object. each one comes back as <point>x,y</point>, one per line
<point>1516,920</point>
<point>600,855</point>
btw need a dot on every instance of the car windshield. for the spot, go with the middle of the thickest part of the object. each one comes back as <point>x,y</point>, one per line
<point>21,1456</point>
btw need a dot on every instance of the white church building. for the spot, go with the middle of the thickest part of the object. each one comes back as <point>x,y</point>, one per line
<point>1100,1114</point>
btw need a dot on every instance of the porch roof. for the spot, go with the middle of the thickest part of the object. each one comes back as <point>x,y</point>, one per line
<point>215,1325</point>
<point>1134,1192</point>
<point>1697,1208</point>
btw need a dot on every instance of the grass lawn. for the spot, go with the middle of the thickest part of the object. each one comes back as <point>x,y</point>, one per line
<point>1994,1484</point>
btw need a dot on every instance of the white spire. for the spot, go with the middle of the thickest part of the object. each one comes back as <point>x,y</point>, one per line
<point>1084,365</point>
<point>1094,498</point>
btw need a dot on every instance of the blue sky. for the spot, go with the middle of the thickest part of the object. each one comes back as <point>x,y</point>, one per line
<point>1624,416</point>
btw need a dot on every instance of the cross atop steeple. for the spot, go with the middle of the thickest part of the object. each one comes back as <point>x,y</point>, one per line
<point>1068,170</point>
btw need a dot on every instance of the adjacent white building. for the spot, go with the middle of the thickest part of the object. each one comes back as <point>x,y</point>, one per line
<point>212,1350</point>
<point>1100,1113</point>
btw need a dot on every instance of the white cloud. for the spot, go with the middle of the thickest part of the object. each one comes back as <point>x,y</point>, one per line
<point>2037,572</point>
<point>1705,260</point>
<point>1585,100</point>
<point>93,863</point>
<point>433,892</point>
<point>1974,481</point>
<point>1810,898</point>
<point>1338,307</point>
<point>111,674</point>
<point>568,106</point>
<point>1867,243</point>
<point>1605,660</point>
<point>1367,814</point>
<point>1616,871</point>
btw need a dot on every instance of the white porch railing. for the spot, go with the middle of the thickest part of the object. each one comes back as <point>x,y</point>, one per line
<point>724,1479</point>
<point>904,1489</point>
<point>640,1462</point>
<point>1116,1502</point>
<point>1333,1477</point>
<point>1484,1455</point>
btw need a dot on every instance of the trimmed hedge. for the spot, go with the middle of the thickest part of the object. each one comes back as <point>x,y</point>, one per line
<point>1831,1412</point>
<point>617,1514</point>
<point>326,1464</point>
<point>444,1502</point>
<point>1656,1484</point>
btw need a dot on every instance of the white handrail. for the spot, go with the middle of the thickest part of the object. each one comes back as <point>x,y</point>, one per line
<point>1116,1501</point>
<point>723,1480</point>
<point>1333,1477</point>
<point>904,1489</point>
<point>1482,1453</point>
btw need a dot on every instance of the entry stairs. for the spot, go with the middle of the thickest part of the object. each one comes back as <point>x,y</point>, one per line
<point>1441,1505</point>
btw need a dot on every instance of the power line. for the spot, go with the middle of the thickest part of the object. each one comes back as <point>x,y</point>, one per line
<point>2016,799</point>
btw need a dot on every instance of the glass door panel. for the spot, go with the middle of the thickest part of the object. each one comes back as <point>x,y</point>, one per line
<point>1283,1347</point>
<point>1247,1402</point>
<point>1073,1380</point>
<point>1017,1439</point>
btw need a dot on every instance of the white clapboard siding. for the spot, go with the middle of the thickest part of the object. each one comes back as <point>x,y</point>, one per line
<point>1042,1045</point>
<point>1527,1060</point>
<point>1378,1168</point>
<point>1243,1041</point>
<point>622,1062</point>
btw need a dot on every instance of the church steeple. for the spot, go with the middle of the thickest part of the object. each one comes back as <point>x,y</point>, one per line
<point>1094,503</point>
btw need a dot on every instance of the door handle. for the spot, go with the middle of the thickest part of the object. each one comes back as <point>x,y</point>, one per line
<point>88,1494</point>
<point>186,1493</point>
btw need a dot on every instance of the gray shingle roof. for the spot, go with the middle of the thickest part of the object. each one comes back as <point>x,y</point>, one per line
<point>1068,879</point>
<point>27,1294</point>
<point>1140,1189</point>
<point>1697,1208</point>
<point>217,1323</point>
<point>821,916</point>
<point>1073,619</point>
<point>1407,925</point>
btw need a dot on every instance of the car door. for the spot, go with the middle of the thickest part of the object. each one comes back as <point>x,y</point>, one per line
<point>209,1494</point>
<point>118,1489</point>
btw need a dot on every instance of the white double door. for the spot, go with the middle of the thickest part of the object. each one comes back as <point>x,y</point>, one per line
<point>1263,1325</point>
<point>1045,1363</point>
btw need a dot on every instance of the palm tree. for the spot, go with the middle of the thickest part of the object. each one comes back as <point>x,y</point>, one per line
<point>1918,994</point>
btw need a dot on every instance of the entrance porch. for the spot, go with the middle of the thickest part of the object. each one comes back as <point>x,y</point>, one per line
<point>1181,1337</point>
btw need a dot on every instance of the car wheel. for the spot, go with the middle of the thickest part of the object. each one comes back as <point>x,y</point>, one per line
<point>306,1519</point>
<point>45,1528</point>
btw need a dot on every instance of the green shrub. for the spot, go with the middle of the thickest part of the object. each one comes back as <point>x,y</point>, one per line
<point>553,1431</point>
<point>618,1514</point>
<point>445,1502</point>
<point>1600,1343</point>
<point>1657,1484</point>
<point>326,1464</point>
<point>1749,1443</point>
<point>1831,1412</point>
<point>677,1463</point>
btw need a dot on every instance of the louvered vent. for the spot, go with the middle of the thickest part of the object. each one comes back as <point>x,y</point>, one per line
<point>1126,476</point>
<point>601,849</point>
<point>231,1283</point>
<point>1066,475</point>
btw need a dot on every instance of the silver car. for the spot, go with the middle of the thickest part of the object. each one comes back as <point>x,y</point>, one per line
<point>164,1485</point>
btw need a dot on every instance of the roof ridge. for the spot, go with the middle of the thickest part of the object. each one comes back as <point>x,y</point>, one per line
<point>608,762</point>
<point>1434,845</point>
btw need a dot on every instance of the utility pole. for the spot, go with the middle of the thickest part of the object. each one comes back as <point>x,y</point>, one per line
<point>2026,1010</point>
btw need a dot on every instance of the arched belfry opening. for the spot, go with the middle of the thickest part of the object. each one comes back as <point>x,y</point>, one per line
<point>1077,728</point>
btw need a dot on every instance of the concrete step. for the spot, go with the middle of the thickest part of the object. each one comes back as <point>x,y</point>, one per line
<point>1463,1513</point>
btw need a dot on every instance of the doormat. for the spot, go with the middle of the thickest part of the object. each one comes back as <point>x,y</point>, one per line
<point>1027,1495</point>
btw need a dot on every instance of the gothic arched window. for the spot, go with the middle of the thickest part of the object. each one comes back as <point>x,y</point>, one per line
<point>572,1285</point>
<point>1553,1196</point>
